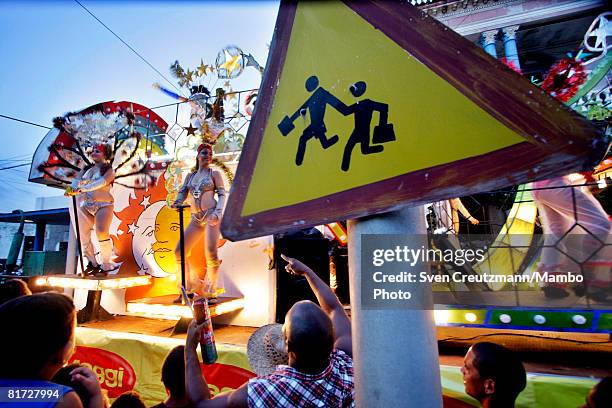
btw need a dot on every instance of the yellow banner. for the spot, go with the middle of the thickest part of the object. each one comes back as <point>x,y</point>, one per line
<point>132,362</point>
<point>128,361</point>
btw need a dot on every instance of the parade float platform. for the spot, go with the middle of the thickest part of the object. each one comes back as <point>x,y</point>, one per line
<point>118,346</point>
<point>160,307</point>
<point>94,286</point>
<point>164,307</point>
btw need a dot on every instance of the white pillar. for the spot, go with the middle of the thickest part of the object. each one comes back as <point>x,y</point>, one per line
<point>395,352</point>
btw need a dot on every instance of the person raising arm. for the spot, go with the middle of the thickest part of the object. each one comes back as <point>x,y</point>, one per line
<point>317,341</point>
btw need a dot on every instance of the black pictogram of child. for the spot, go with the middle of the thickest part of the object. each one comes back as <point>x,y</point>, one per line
<point>362,112</point>
<point>315,105</point>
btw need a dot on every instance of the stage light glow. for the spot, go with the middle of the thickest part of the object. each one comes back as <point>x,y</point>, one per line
<point>159,311</point>
<point>77,282</point>
<point>470,317</point>
<point>73,283</point>
<point>227,307</point>
<point>441,316</point>
<point>122,283</point>
<point>174,312</point>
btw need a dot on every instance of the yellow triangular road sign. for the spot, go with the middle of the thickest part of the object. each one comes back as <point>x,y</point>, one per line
<point>366,106</point>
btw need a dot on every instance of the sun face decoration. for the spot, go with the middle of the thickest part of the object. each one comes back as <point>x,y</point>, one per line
<point>167,237</point>
<point>146,238</point>
<point>136,233</point>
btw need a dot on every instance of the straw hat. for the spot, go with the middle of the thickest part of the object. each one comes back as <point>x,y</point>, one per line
<point>266,349</point>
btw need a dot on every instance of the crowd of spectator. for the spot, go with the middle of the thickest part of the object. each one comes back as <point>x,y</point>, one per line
<point>306,362</point>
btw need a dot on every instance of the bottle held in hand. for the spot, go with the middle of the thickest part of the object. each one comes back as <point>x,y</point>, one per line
<point>207,339</point>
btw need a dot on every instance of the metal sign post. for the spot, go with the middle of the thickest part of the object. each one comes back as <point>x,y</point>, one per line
<point>183,323</point>
<point>395,352</point>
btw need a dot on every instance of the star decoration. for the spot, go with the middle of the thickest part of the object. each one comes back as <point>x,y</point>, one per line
<point>190,130</point>
<point>203,68</point>
<point>145,202</point>
<point>601,33</point>
<point>232,62</point>
<point>132,228</point>
<point>189,76</point>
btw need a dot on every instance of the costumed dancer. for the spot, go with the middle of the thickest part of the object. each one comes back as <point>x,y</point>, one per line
<point>95,148</point>
<point>574,223</point>
<point>201,110</point>
<point>95,208</point>
<point>199,190</point>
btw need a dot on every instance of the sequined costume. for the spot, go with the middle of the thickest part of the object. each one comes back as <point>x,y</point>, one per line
<point>94,194</point>
<point>195,190</point>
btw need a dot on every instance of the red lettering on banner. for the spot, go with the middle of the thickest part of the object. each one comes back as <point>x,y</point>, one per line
<point>115,373</point>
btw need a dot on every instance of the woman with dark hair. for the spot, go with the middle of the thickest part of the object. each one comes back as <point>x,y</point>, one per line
<point>38,340</point>
<point>93,186</point>
<point>199,190</point>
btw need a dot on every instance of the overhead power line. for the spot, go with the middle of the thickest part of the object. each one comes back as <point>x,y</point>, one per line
<point>128,45</point>
<point>24,121</point>
<point>8,161</point>
<point>17,157</point>
<point>17,165</point>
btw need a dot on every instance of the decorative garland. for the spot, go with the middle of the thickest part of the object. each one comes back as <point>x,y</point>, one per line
<point>226,170</point>
<point>565,78</point>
